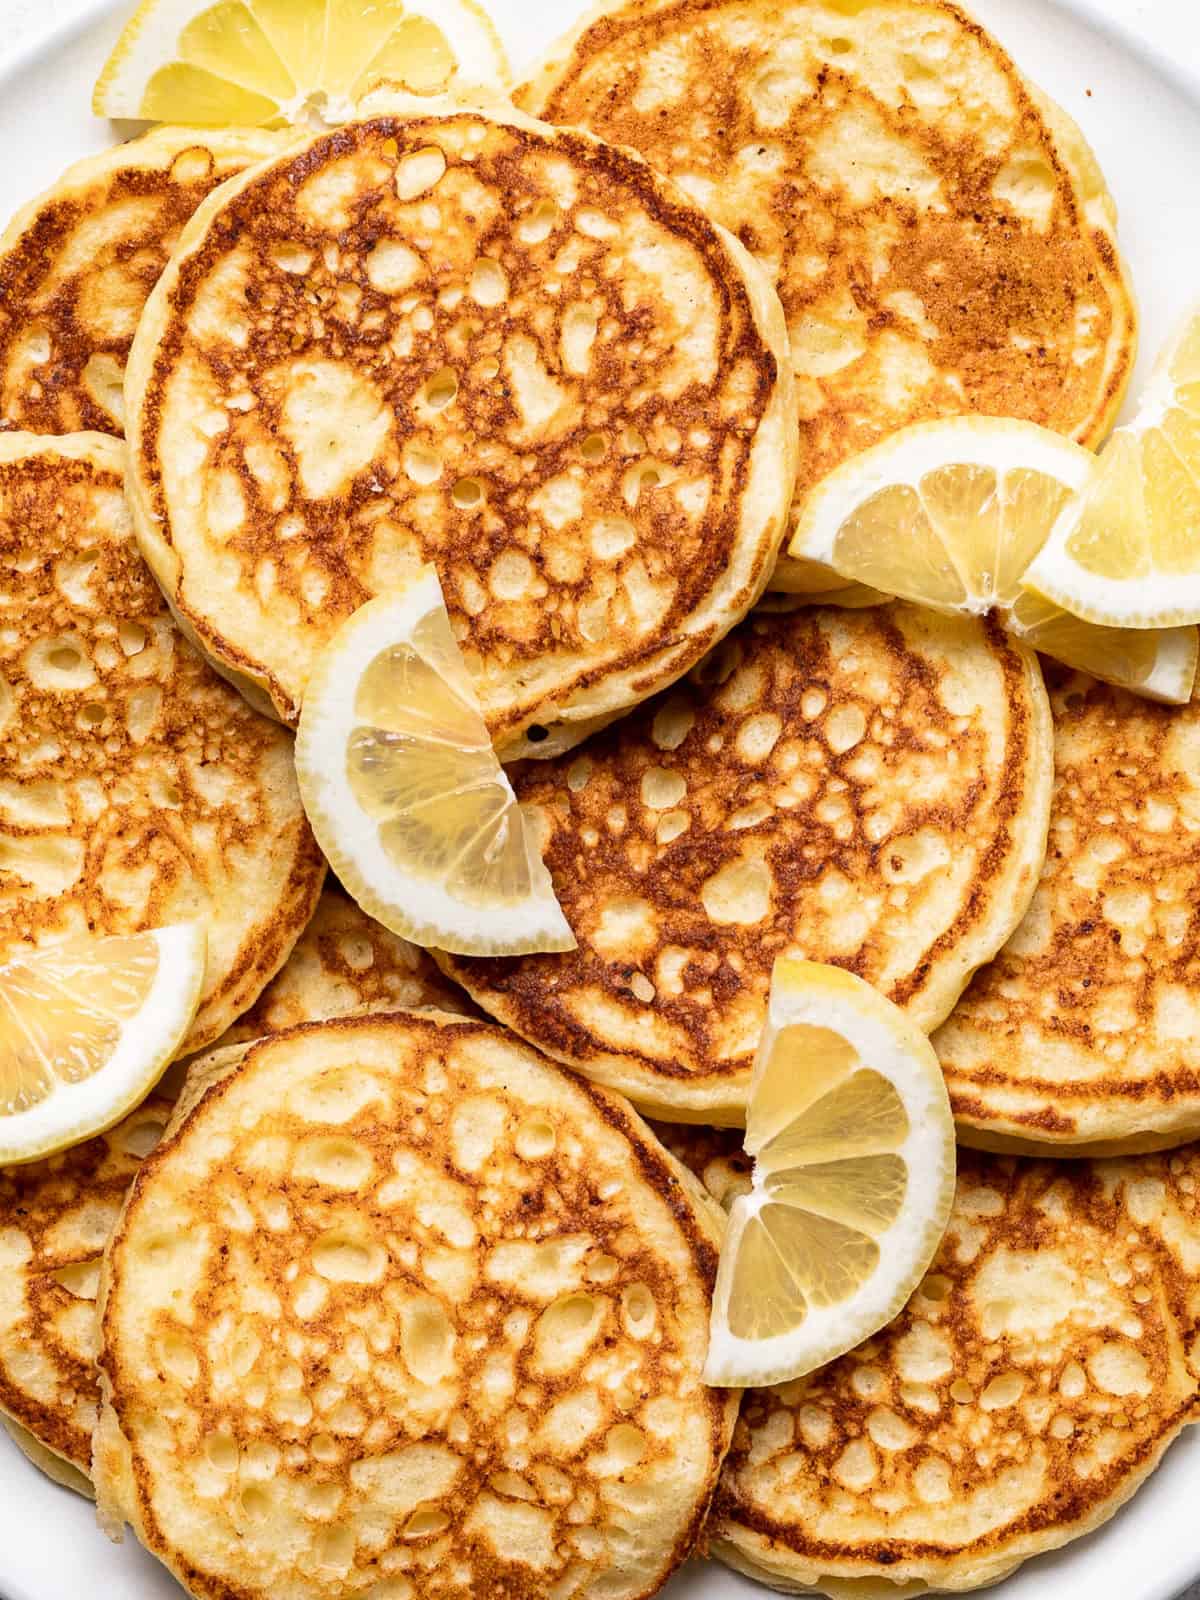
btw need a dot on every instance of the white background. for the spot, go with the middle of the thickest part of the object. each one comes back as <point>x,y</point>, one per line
<point>1141,61</point>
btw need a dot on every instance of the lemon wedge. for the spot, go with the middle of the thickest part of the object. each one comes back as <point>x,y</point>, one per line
<point>87,1028</point>
<point>850,1129</point>
<point>254,62</point>
<point>1127,554</point>
<point>951,514</point>
<point>404,792</point>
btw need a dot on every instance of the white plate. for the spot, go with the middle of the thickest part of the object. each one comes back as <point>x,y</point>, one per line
<point>1129,71</point>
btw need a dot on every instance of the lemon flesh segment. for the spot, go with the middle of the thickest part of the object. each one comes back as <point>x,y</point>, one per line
<point>404,791</point>
<point>850,1127</point>
<point>1127,554</point>
<point>963,508</point>
<point>253,62</point>
<point>87,1027</point>
<point>953,514</point>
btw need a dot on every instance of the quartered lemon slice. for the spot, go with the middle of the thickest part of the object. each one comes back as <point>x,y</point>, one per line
<point>254,62</point>
<point>405,794</point>
<point>850,1129</point>
<point>1129,553</point>
<point>950,514</point>
<point>86,1029</point>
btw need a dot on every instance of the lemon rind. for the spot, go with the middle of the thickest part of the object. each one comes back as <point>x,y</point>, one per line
<point>380,887</point>
<point>148,1041</point>
<point>806,992</point>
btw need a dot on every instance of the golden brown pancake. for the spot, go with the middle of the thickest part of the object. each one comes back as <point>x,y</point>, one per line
<point>468,339</point>
<point>55,1218</point>
<point>1030,1386</point>
<point>1084,1032</point>
<point>400,1308</point>
<point>343,962</point>
<point>56,1215</point>
<point>940,234</point>
<point>868,788</point>
<point>137,788</point>
<point>77,265</point>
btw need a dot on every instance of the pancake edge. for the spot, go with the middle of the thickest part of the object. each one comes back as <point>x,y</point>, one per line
<point>746,1549</point>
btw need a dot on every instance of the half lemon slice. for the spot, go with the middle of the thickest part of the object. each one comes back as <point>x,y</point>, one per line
<point>262,61</point>
<point>404,792</point>
<point>87,1028</point>
<point>1128,554</point>
<point>950,514</point>
<point>850,1129</point>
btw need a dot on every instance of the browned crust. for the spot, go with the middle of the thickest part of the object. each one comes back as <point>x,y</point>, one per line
<point>556,93</point>
<point>155,835</point>
<point>1069,1504</point>
<point>1082,956</point>
<point>522,992</point>
<point>145,169</point>
<point>1064,1508</point>
<point>251,212</point>
<point>34,1200</point>
<point>655,1165</point>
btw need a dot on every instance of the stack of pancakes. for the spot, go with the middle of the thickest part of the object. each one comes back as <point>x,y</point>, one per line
<point>407,1300</point>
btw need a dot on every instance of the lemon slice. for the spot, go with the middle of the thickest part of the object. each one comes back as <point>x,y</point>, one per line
<point>1128,554</point>
<point>260,61</point>
<point>404,792</point>
<point>950,514</point>
<point>850,1129</point>
<point>86,1030</point>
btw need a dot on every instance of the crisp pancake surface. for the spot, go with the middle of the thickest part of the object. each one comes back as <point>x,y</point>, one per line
<point>136,787</point>
<point>78,264</point>
<point>402,1309</point>
<point>940,235</point>
<point>553,377</point>
<point>1084,1029</point>
<point>343,962</point>
<point>1029,1387</point>
<point>55,1219</point>
<point>868,788</point>
<point>56,1215</point>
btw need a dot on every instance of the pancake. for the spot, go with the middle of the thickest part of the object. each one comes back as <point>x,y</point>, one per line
<point>1030,1386</point>
<point>55,1217</point>
<point>940,234</point>
<point>401,1309</point>
<point>714,1155</point>
<point>1083,1033</point>
<point>553,377</point>
<point>344,962</point>
<point>136,788</point>
<point>868,788</point>
<point>77,264</point>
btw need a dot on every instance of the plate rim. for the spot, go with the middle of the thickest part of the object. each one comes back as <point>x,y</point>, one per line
<point>1152,33</point>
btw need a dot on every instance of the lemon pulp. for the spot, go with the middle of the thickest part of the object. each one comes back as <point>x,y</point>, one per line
<point>252,62</point>
<point>404,791</point>
<point>852,1140</point>
<point>421,765</point>
<point>956,515</point>
<point>960,539</point>
<point>831,1175</point>
<point>62,1012</point>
